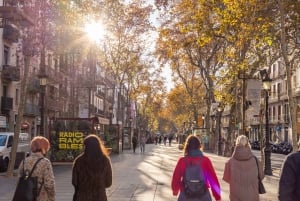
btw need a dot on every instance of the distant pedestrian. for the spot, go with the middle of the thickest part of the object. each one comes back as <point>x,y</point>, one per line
<point>194,155</point>
<point>143,143</point>
<point>165,140</point>
<point>92,171</point>
<point>170,137</point>
<point>289,182</point>
<point>134,143</point>
<point>156,139</point>
<point>241,172</point>
<point>43,171</point>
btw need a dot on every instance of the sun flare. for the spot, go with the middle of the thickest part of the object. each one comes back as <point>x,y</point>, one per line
<point>95,31</point>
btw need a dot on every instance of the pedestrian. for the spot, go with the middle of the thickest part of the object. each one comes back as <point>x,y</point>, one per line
<point>143,143</point>
<point>241,172</point>
<point>170,137</point>
<point>194,155</point>
<point>43,171</point>
<point>92,171</point>
<point>165,140</point>
<point>134,143</point>
<point>156,139</point>
<point>289,182</point>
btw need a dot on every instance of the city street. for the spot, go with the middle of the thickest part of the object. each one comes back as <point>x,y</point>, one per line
<point>144,177</point>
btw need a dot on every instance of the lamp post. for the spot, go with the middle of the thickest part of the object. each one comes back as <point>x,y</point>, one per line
<point>220,109</point>
<point>267,151</point>
<point>43,83</point>
<point>203,121</point>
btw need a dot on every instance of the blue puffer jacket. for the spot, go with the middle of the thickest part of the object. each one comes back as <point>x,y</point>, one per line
<point>289,183</point>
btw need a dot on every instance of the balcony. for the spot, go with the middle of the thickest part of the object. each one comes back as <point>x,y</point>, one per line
<point>34,86</point>
<point>31,110</point>
<point>10,33</point>
<point>54,105</point>
<point>10,13</point>
<point>10,73</point>
<point>56,76</point>
<point>6,103</point>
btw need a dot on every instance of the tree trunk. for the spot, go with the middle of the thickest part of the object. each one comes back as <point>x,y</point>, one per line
<point>23,93</point>
<point>288,66</point>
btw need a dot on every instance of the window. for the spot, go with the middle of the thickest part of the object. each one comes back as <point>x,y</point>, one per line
<point>279,88</point>
<point>274,113</point>
<point>279,113</point>
<point>17,97</point>
<point>286,113</point>
<point>6,55</point>
<point>49,60</point>
<point>5,91</point>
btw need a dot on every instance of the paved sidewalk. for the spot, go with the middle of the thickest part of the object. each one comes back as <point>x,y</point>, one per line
<point>138,177</point>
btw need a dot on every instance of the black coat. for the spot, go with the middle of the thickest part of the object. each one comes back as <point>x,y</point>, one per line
<point>90,178</point>
<point>289,183</point>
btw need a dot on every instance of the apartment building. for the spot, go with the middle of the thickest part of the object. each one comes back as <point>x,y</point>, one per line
<point>279,122</point>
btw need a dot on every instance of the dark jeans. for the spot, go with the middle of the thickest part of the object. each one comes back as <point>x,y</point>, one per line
<point>134,147</point>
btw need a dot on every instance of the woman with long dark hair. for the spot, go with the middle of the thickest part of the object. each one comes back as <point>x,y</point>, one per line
<point>194,155</point>
<point>92,171</point>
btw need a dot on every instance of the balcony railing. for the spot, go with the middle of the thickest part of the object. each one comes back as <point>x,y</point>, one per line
<point>31,110</point>
<point>6,103</point>
<point>10,73</point>
<point>34,86</point>
<point>10,33</point>
<point>11,13</point>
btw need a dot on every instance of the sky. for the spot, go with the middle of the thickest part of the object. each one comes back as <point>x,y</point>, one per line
<point>166,72</point>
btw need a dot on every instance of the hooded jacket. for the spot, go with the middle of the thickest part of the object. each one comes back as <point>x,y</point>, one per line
<point>241,172</point>
<point>289,183</point>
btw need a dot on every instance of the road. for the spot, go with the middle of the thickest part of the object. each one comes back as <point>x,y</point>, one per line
<point>144,177</point>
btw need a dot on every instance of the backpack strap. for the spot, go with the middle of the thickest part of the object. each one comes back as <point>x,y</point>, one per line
<point>33,168</point>
<point>188,164</point>
<point>38,160</point>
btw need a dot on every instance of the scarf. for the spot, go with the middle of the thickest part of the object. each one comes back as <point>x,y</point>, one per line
<point>195,152</point>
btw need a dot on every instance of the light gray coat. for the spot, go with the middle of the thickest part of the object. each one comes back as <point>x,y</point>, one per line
<point>241,172</point>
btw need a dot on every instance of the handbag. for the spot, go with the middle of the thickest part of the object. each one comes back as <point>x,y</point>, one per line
<point>27,187</point>
<point>261,187</point>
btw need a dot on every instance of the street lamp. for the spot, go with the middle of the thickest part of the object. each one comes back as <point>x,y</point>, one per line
<point>266,87</point>
<point>43,83</point>
<point>203,121</point>
<point>220,110</point>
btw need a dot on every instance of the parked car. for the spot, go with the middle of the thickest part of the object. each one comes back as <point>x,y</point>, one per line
<point>6,141</point>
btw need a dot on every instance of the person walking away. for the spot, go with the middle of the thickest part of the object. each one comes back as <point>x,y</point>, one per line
<point>134,143</point>
<point>165,140</point>
<point>43,171</point>
<point>194,155</point>
<point>156,139</point>
<point>143,143</point>
<point>241,172</point>
<point>289,182</point>
<point>170,137</point>
<point>92,171</point>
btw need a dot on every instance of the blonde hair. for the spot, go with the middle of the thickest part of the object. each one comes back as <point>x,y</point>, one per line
<point>242,140</point>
